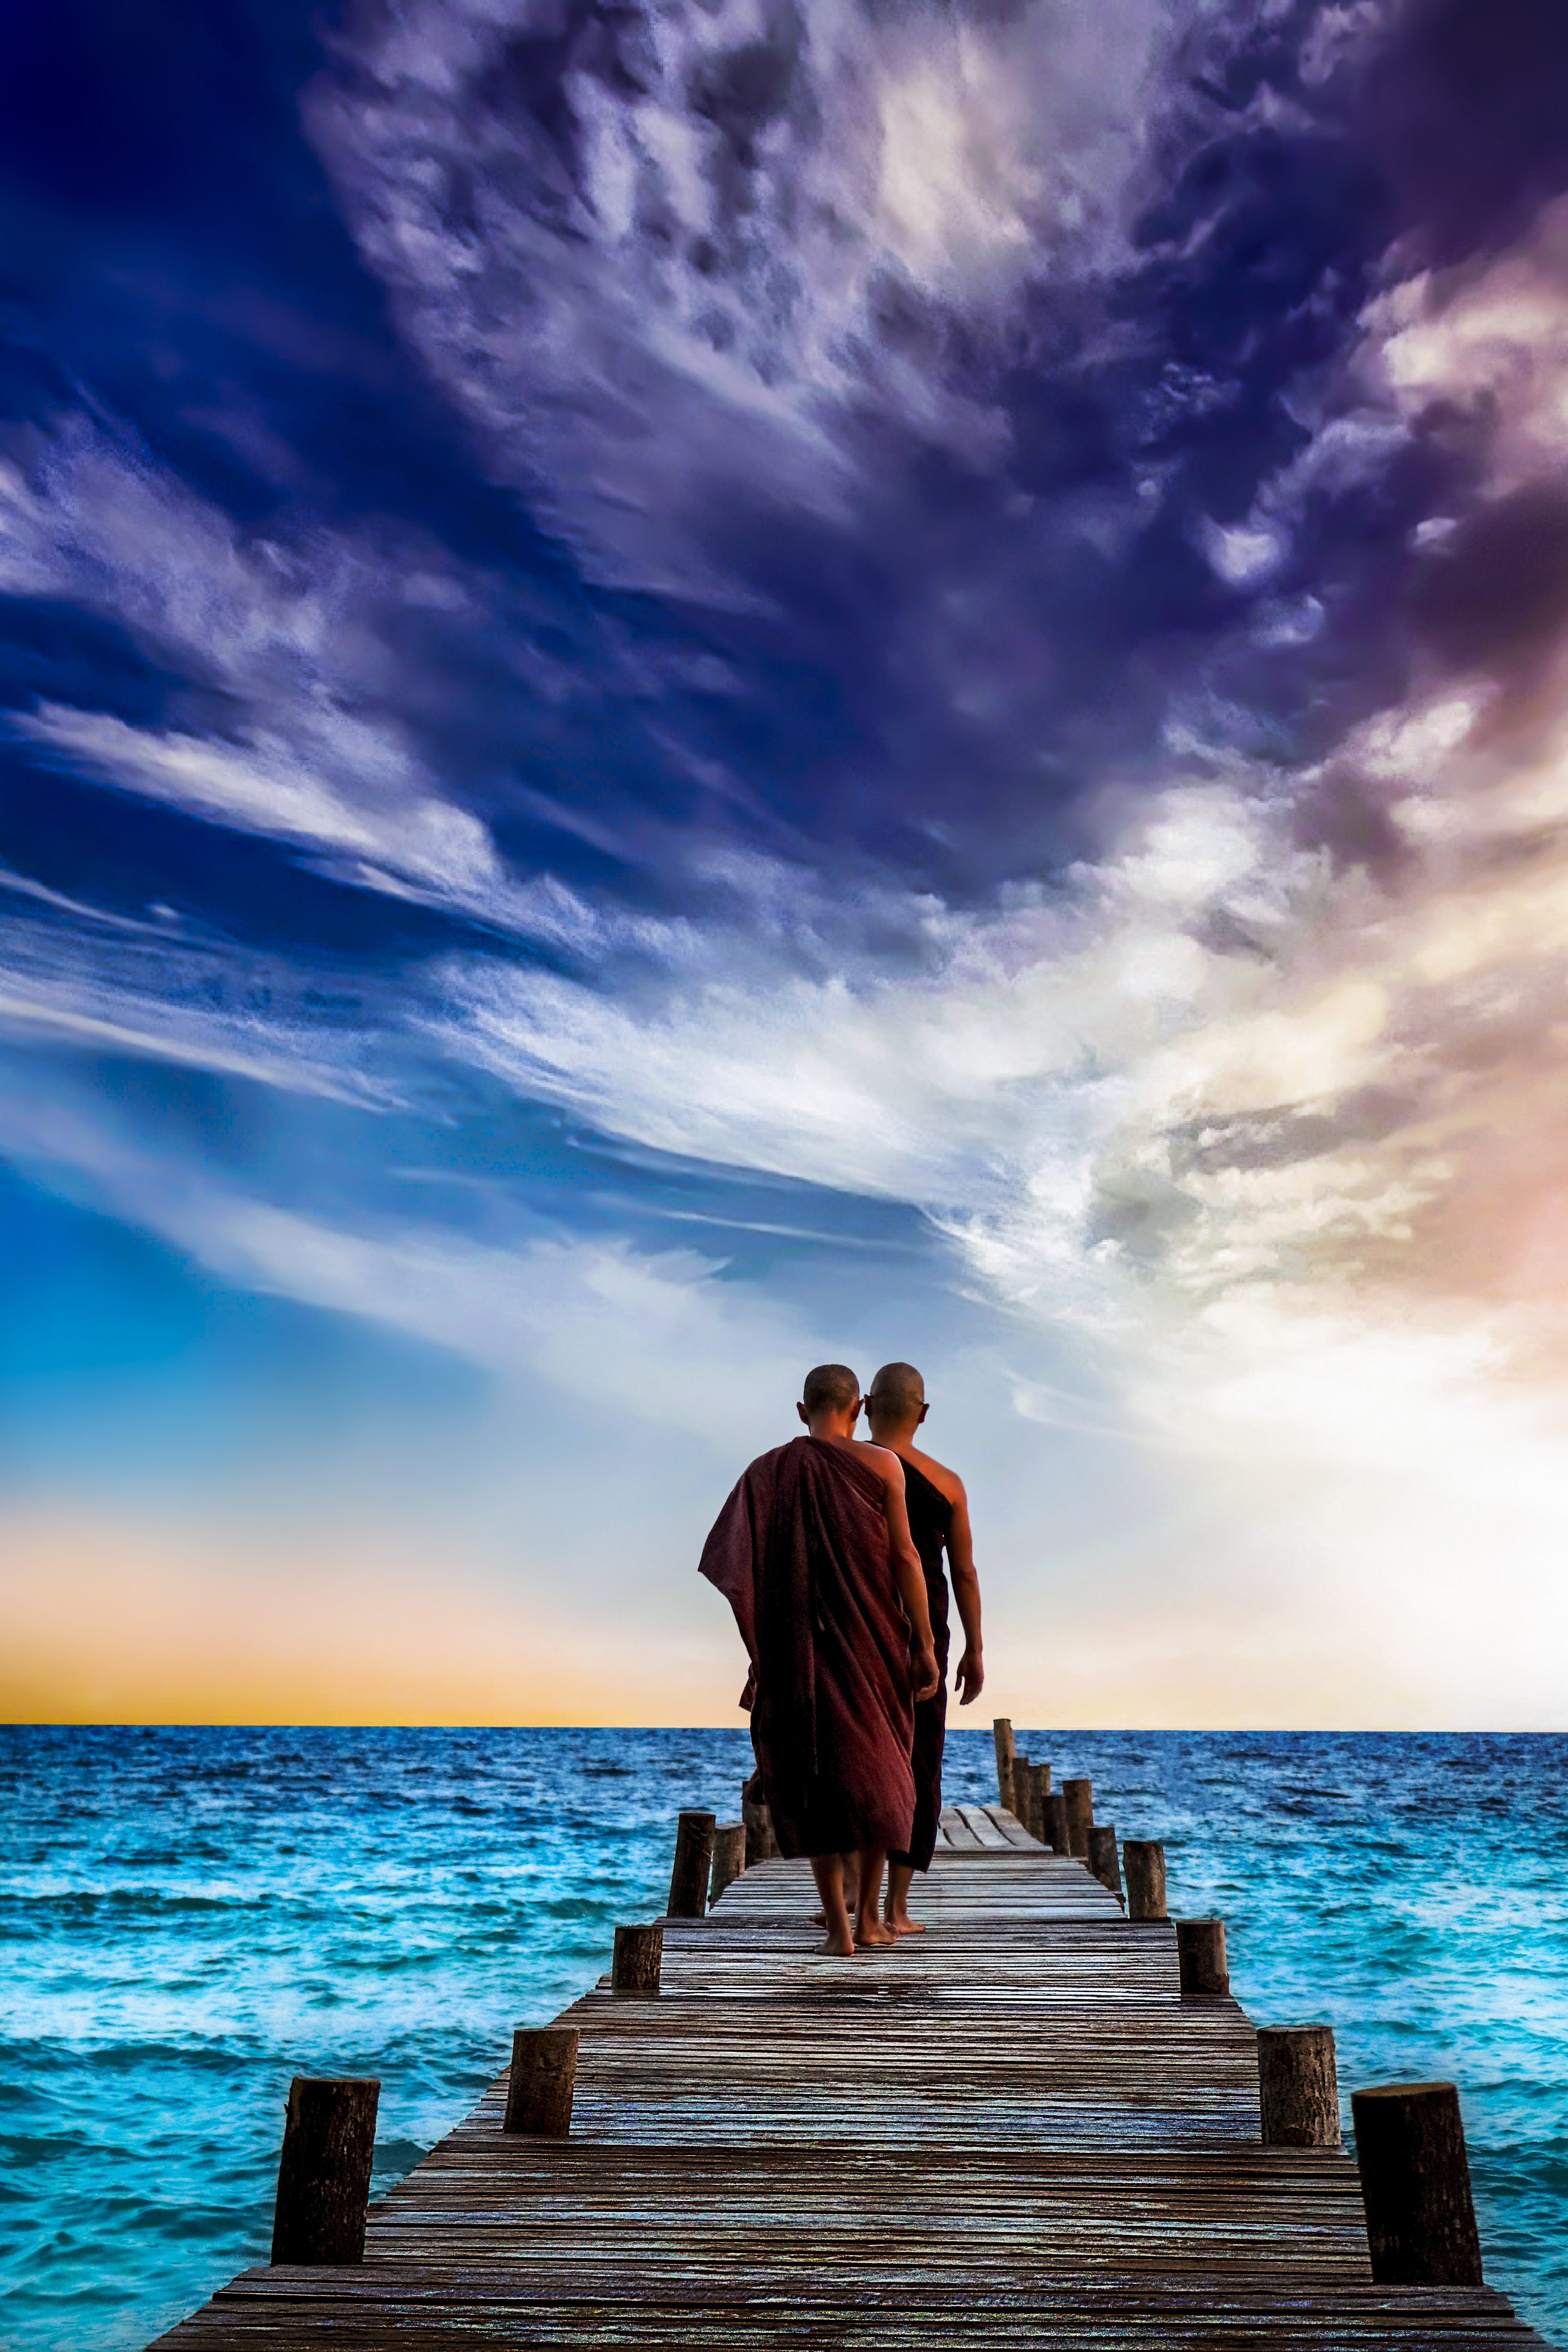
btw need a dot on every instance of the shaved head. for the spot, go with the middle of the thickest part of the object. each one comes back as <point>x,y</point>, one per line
<point>899,1389</point>
<point>830,1387</point>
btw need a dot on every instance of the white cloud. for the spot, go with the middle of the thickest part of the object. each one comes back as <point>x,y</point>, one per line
<point>656,1335</point>
<point>341,786</point>
<point>1208,1098</point>
<point>692,306</point>
<point>295,636</point>
<point>151,992</point>
<point>1488,340</point>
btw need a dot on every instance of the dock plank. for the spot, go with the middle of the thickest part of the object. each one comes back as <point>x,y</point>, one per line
<point>1010,2126</point>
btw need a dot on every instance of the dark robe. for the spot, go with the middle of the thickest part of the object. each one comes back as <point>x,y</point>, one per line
<point>801,1553</point>
<point>931,1518</point>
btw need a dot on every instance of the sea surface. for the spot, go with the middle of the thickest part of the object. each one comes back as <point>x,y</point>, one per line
<point>187,1918</point>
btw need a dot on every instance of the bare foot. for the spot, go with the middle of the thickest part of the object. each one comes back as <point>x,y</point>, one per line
<point>902,1925</point>
<point>870,1935</point>
<point>819,1918</point>
<point>840,1943</point>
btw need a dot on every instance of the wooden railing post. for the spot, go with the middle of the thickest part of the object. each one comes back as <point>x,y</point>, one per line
<point>729,1858</point>
<point>762,1846</point>
<point>323,2172</point>
<point>1200,1956</point>
<point>1040,1792</point>
<point>542,2082</point>
<point>638,1957</point>
<point>1143,1859</point>
<point>1297,2089</point>
<point>1055,1823</point>
<point>1415,2185</point>
<point>1079,1795</point>
<point>1002,1733</point>
<point>693,1859</point>
<point>1021,1786</point>
<point>1102,1856</point>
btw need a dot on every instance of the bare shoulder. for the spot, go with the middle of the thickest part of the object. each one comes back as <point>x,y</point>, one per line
<point>884,1461</point>
<point>946,1481</point>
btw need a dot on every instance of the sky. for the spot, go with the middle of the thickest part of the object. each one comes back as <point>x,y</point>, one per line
<point>687,689</point>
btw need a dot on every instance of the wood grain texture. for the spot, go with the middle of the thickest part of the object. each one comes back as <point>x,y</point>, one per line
<point>1008,2129</point>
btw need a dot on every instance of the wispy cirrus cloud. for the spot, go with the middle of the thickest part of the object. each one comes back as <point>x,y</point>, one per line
<point>672,260</point>
<point>156,991</point>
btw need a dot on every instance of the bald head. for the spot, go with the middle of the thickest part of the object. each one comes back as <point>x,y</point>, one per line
<point>830,1388</point>
<point>898,1392</point>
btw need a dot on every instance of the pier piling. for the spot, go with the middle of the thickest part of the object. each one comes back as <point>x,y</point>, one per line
<point>729,1858</point>
<point>1297,2089</point>
<point>1055,1814</point>
<point>1143,1860</point>
<point>1102,1857</point>
<point>1079,1795</point>
<point>323,2172</point>
<point>693,1860</point>
<point>544,2078</point>
<point>1002,1733</point>
<point>756,1821</point>
<point>1039,1791</point>
<point>1200,1956</point>
<point>1415,2185</point>
<point>638,1957</point>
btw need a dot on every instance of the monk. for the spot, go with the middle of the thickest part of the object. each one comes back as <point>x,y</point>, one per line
<point>937,1512</point>
<point>814,1554</point>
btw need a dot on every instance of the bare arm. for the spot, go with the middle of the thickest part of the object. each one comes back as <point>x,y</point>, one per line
<point>970,1677</point>
<point>910,1575</point>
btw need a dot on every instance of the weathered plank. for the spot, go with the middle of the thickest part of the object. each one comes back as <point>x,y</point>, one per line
<point>1012,2125</point>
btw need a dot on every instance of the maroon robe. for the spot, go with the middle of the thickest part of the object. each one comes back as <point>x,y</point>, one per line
<point>801,1553</point>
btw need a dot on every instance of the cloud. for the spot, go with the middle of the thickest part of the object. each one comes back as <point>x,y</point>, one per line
<point>343,786</point>
<point>155,991</point>
<point>671,259</point>
<point>654,1335</point>
<point>1217,1102</point>
<point>1490,341</point>
<point>294,641</point>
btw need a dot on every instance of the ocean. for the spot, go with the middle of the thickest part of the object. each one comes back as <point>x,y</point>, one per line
<point>191,1916</point>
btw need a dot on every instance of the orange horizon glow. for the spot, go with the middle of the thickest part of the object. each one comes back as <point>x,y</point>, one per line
<point>102,1623</point>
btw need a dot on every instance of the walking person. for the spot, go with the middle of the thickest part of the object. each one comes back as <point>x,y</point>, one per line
<point>937,1512</point>
<point>814,1554</point>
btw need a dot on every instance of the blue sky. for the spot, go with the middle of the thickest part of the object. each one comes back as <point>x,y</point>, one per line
<point>688,690</point>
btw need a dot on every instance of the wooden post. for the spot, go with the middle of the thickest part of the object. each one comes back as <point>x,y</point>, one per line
<point>762,1846</point>
<point>1021,1786</point>
<point>1297,2089</point>
<point>1102,1857</point>
<point>1200,1956</point>
<point>1415,2185</point>
<point>639,1953</point>
<point>544,2078</point>
<point>324,2172</point>
<point>1143,1859</point>
<point>1039,1794</point>
<point>1079,1795</point>
<point>729,1857</point>
<point>1002,1732</point>
<point>693,1859</point>
<point>1055,1817</point>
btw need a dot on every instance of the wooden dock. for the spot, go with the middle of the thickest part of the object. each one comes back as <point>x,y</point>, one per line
<point>1012,2130</point>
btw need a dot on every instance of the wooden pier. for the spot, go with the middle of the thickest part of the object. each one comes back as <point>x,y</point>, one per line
<point>1011,2130</point>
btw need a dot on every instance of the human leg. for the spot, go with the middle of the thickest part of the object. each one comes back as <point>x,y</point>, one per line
<point>827,1869</point>
<point>851,1888</point>
<point>896,1909</point>
<point>869,1932</point>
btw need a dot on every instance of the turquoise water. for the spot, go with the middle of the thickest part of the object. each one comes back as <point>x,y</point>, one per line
<point>191,1916</point>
